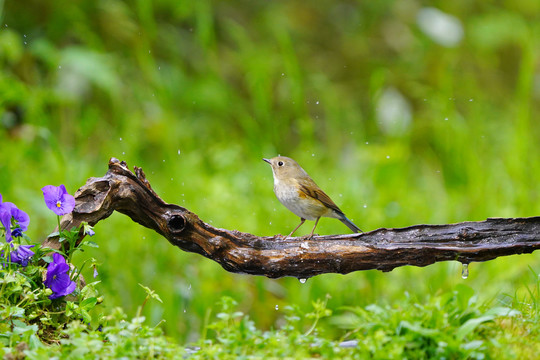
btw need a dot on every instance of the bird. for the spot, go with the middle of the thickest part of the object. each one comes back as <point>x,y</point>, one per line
<point>301,195</point>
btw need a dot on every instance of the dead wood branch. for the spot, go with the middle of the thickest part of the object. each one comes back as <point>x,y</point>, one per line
<point>272,256</point>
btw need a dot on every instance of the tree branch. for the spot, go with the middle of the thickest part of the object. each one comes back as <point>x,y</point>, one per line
<point>272,256</point>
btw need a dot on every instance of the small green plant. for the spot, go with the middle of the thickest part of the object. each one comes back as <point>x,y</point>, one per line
<point>451,325</point>
<point>38,286</point>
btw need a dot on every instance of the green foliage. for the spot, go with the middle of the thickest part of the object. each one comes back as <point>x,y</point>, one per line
<point>452,325</point>
<point>117,338</point>
<point>26,310</point>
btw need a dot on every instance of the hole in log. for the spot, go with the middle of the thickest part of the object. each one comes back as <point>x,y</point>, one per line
<point>177,223</point>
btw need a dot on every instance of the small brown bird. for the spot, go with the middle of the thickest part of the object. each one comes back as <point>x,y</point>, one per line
<point>299,193</point>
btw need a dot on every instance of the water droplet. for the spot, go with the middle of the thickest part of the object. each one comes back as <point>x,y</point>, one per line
<point>185,311</point>
<point>302,281</point>
<point>171,179</point>
<point>317,102</point>
<point>365,206</point>
<point>120,139</point>
<point>123,153</point>
<point>312,154</point>
<point>277,307</point>
<point>388,156</point>
<point>465,271</point>
<point>159,67</point>
<point>59,66</point>
<point>471,99</point>
<point>445,119</point>
<point>163,160</point>
<point>178,151</point>
<point>367,142</point>
<point>282,74</point>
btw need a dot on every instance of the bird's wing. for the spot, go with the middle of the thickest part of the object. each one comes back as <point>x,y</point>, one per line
<point>309,188</point>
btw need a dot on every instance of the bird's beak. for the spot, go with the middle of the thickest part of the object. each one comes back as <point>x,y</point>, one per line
<point>267,160</point>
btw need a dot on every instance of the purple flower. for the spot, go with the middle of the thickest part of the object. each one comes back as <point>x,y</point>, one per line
<point>88,230</point>
<point>58,278</point>
<point>58,200</point>
<point>22,255</point>
<point>9,211</point>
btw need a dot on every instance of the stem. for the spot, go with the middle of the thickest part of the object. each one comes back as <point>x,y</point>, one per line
<point>8,256</point>
<point>313,326</point>
<point>140,309</point>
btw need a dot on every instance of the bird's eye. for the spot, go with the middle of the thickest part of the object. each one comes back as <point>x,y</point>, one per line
<point>280,163</point>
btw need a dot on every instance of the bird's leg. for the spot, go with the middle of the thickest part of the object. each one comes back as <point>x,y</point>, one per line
<point>312,231</point>
<point>296,228</point>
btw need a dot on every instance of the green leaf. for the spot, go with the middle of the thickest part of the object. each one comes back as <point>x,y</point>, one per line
<point>471,324</point>
<point>417,328</point>
<point>89,303</point>
<point>151,293</point>
<point>503,311</point>
<point>85,315</point>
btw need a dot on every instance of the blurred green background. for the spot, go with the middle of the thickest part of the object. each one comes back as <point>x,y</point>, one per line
<point>402,113</point>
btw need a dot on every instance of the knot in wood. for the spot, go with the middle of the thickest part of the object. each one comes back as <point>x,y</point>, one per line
<point>177,223</point>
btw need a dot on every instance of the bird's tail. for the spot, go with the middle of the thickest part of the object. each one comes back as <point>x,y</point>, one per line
<point>350,224</point>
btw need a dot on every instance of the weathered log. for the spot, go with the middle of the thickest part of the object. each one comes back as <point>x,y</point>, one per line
<point>274,256</point>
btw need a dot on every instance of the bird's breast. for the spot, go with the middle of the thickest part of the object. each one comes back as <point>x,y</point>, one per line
<point>299,203</point>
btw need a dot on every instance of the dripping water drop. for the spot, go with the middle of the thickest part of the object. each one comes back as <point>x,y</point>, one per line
<point>465,271</point>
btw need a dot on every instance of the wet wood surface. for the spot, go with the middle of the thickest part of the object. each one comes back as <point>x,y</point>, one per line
<point>384,249</point>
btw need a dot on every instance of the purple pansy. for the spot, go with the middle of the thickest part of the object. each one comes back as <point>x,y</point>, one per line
<point>22,255</point>
<point>58,278</point>
<point>9,211</point>
<point>58,199</point>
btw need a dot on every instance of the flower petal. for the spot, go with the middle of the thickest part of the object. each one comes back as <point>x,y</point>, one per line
<point>5,219</point>
<point>50,194</point>
<point>68,203</point>
<point>22,255</point>
<point>6,210</point>
<point>21,217</point>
